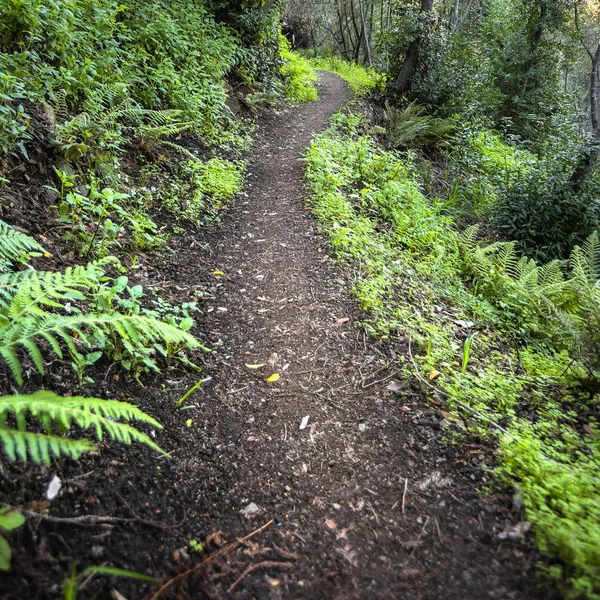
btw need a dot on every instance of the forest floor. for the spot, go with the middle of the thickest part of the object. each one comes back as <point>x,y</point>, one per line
<point>368,500</point>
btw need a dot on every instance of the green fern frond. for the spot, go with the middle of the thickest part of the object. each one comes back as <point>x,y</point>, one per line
<point>86,330</point>
<point>102,416</point>
<point>39,447</point>
<point>15,246</point>
<point>411,127</point>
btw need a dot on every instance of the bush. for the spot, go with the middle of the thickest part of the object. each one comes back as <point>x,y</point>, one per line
<point>545,215</point>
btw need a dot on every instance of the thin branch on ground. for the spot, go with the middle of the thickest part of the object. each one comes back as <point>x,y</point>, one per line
<point>197,567</point>
<point>266,563</point>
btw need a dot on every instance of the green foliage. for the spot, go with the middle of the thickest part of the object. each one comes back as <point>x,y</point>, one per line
<point>16,247</point>
<point>111,63</point>
<point>39,310</point>
<point>545,214</point>
<point>560,488</point>
<point>362,81</point>
<point>411,128</point>
<point>100,219</point>
<point>75,582</point>
<point>10,519</point>
<point>200,189</point>
<point>537,326</point>
<point>57,415</point>
<point>300,79</point>
<point>482,166</point>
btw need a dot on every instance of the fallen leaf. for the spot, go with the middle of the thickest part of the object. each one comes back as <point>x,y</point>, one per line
<point>465,324</point>
<point>342,321</point>
<point>273,582</point>
<point>348,554</point>
<point>218,273</point>
<point>272,378</point>
<point>396,385</point>
<point>53,488</point>
<point>330,524</point>
<point>434,375</point>
<point>255,366</point>
<point>189,422</point>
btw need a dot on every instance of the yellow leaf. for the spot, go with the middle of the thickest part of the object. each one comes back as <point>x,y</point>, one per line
<point>274,377</point>
<point>255,366</point>
<point>434,375</point>
<point>218,273</point>
<point>188,422</point>
<point>46,255</point>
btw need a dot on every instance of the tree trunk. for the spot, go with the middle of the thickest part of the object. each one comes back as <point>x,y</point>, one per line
<point>590,157</point>
<point>403,82</point>
<point>364,30</point>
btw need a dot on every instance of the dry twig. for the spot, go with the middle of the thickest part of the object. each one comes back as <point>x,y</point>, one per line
<point>266,563</point>
<point>197,567</point>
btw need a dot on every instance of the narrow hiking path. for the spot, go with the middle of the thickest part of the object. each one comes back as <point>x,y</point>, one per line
<point>367,499</point>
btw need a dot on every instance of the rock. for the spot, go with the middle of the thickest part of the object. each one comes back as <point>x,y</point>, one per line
<point>362,426</point>
<point>97,551</point>
<point>252,509</point>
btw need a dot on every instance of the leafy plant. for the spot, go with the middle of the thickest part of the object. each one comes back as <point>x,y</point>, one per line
<point>10,519</point>
<point>411,127</point>
<point>300,79</point>
<point>362,81</point>
<point>39,312</point>
<point>53,412</point>
<point>16,247</point>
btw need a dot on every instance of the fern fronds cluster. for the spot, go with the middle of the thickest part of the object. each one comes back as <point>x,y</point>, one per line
<point>412,127</point>
<point>16,247</point>
<point>48,310</point>
<point>104,110</point>
<point>543,288</point>
<point>58,415</point>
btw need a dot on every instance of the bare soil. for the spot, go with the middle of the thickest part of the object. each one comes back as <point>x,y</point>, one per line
<point>367,501</point>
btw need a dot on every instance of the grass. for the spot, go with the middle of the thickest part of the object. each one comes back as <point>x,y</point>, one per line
<point>361,80</point>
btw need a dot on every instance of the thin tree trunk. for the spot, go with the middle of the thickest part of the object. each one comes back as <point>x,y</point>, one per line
<point>364,30</point>
<point>403,82</point>
<point>590,157</point>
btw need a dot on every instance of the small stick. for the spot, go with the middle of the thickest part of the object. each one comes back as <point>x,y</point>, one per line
<point>461,404</point>
<point>404,494</point>
<point>437,526</point>
<point>364,387</point>
<point>195,568</point>
<point>85,520</point>
<point>266,563</point>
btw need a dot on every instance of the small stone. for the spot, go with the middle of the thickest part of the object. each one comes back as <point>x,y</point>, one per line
<point>336,506</point>
<point>97,551</point>
<point>252,509</point>
<point>362,426</point>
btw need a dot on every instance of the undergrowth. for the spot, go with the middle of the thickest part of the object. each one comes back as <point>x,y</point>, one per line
<point>498,334</point>
<point>361,80</point>
<point>300,79</point>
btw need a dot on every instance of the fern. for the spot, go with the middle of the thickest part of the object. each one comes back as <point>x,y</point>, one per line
<point>16,247</point>
<point>104,108</point>
<point>54,412</point>
<point>41,308</point>
<point>88,330</point>
<point>510,278</point>
<point>585,282</point>
<point>411,127</point>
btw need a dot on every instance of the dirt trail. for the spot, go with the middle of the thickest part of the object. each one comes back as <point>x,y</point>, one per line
<point>367,496</point>
<point>367,500</point>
